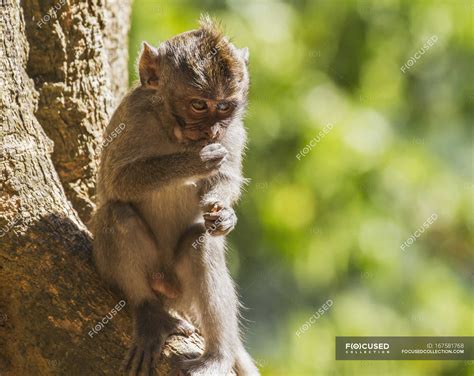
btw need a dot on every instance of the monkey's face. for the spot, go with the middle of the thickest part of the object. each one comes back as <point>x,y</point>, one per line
<point>208,96</point>
<point>204,80</point>
<point>203,119</point>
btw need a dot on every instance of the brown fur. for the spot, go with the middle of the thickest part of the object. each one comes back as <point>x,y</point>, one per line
<point>166,187</point>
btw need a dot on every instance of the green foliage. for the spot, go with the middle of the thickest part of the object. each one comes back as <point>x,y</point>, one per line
<point>330,224</point>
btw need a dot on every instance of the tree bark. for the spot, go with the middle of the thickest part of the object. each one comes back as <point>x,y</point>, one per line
<point>56,94</point>
<point>78,61</point>
<point>117,20</point>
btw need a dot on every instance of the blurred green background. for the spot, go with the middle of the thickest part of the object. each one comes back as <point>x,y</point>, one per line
<point>330,224</point>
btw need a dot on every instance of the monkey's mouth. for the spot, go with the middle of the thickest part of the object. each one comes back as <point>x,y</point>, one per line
<point>191,132</point>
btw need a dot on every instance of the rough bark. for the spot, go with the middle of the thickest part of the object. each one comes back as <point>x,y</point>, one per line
<point>117,20</point>
<point>77,59</point>
<point>50,294</point>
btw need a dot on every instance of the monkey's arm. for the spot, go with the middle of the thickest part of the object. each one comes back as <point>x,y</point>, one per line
<point>223,187</point>
<point>223,191</point>
<point>137,177</point>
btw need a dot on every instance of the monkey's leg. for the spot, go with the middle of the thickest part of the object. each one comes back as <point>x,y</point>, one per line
<point>194,259</point>
<point>166,284</point>
<point>125,253</point>
<point>205,280</point>
<point>244,364</point>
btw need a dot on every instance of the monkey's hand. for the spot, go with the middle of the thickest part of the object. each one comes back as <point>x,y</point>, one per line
<point>213,156</point>
<point>219,220</point>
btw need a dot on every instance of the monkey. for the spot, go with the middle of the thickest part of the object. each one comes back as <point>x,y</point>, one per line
<point>166,188</point>
<point>167,283</point>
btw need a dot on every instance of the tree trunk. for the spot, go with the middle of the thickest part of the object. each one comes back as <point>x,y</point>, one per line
<point>78,62</point>
<point>58,89</point>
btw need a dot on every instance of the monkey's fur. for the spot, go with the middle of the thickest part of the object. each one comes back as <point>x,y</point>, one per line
<point>171,174</point>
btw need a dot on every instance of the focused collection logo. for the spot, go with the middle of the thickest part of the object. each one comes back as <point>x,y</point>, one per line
<point>405,348</point>
<point>367,348</point>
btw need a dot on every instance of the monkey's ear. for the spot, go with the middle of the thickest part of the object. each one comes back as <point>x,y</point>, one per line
<point>148,66</point>
<point>244,52</point>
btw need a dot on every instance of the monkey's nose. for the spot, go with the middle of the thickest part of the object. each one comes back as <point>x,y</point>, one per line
<point>211,132</point>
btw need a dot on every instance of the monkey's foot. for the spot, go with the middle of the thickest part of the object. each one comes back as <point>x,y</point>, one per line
<point>184,328</point>
<point>152,325</point>
<point>141,358</point>
<point>219,220</point>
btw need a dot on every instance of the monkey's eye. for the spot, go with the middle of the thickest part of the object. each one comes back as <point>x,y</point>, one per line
<point>199,105</point>
<point>223,106</point>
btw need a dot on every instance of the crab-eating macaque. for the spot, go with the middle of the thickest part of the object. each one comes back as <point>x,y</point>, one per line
<point>166,186</point>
